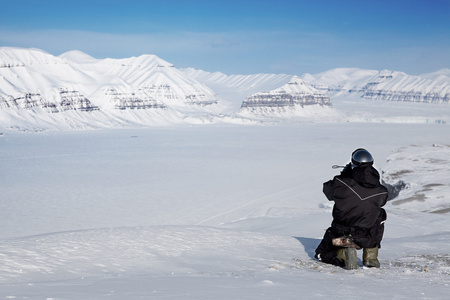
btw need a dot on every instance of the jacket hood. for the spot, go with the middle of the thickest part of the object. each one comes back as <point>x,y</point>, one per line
<point>366,176</point>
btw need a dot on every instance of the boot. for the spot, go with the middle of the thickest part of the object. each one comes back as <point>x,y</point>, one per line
<point>370,257</point>
<point>345,241</point>
<point>348,257</point>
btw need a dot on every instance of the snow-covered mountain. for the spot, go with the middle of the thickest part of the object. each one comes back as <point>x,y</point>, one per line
<point>294,93</point>
<point>235,88</point>
<point>384,85</point>
<point>149,75</point>
<point>295,98</point>
<point>267,95</point>
<point>32,79</point>
<point>35,84</point>
<point>30,70</point>
<point>75,91</point>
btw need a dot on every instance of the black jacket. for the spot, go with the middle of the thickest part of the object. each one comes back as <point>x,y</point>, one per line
<point>358,196</point>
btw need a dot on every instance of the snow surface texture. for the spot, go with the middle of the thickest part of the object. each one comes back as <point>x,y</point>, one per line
<point>213,212</point>
<point>423,174</point>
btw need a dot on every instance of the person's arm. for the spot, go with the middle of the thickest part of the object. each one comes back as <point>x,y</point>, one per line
<point>328,189</point>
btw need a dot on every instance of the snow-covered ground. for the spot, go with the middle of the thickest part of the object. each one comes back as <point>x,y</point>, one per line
<point>220,211</point>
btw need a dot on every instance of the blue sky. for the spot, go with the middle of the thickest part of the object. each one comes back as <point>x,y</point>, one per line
<point>241,36</point>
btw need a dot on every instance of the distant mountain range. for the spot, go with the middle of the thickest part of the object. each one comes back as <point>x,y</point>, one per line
<point>75,90</point>
<point>370,84</point>
<point>385,85</point>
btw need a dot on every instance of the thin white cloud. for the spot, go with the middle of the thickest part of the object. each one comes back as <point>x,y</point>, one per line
<point>63,40</point>
<point>237,52</point>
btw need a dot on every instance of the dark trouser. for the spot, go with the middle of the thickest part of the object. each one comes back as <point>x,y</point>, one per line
<point>364,238</point>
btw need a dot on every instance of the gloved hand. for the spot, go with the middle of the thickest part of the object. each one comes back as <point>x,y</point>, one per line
<point>347,171</point>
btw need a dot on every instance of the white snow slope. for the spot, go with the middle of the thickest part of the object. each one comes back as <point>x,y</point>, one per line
<point>219,211</point>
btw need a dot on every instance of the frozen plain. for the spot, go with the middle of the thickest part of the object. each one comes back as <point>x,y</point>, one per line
<point>215,211</point>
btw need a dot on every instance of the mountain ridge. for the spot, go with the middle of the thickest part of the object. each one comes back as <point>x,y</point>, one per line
<point>34,84</point>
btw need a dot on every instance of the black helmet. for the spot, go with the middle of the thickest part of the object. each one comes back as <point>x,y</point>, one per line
<point>361,157</point>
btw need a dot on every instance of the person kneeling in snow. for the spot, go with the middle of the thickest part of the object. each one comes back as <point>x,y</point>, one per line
<point>358,216</point>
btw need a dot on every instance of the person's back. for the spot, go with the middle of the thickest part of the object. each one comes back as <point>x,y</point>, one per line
<point>358,217</point>
<point>358,196</point>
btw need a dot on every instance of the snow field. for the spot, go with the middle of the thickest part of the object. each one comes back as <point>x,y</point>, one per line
<point>207,212</point>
